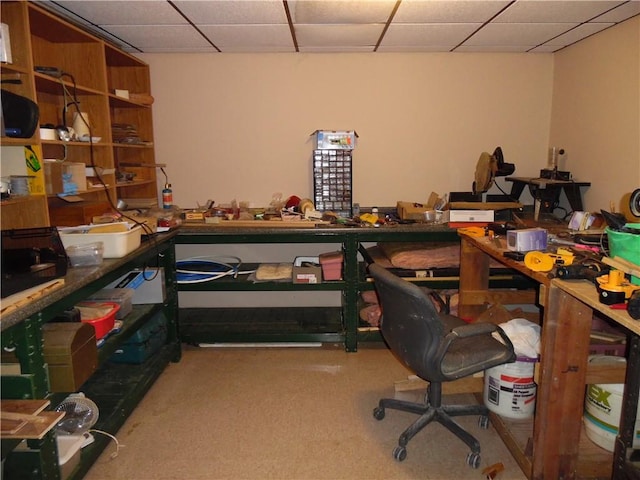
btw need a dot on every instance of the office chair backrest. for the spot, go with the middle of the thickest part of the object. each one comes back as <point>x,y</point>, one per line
<point>410,323</point>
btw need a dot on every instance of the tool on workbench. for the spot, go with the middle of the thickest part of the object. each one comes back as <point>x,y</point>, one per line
<point>544,262</point>
<point>614,287</point>
<point>581,271</point>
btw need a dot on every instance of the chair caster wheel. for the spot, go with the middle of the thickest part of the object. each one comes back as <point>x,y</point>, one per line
<point>473,460</point>
<point>399,453</point>
<point>378,413</point>
<point>483,422</point>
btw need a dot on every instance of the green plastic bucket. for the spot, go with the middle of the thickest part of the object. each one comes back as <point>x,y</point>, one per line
<point>626,246</point>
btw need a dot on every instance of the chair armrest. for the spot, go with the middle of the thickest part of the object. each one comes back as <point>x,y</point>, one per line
<point>473,329</point>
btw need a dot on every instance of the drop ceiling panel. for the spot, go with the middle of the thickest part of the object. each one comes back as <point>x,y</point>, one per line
<point>438,11</point>
<point>228,12</point>
<point>518,34</point>
<point>340,11</point>
<point>338,35</point>
<point>345,25</point>
<point>550,11</point>
<point>421,35</point>
<point>160,36</point>
<point>120,12</point>
<point>243,37</point>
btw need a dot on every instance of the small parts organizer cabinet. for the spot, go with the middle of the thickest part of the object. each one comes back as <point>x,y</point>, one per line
<point>116,388</point>
<point>332,171</point>
<point>89,70</point>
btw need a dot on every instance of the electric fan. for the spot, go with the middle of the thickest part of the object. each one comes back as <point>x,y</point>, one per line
<point>80,415</point>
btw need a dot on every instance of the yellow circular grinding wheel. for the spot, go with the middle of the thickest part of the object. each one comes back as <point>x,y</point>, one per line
<point>539,262</point>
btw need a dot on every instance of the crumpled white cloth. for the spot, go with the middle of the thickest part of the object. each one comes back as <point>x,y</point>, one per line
<point>525,336</point>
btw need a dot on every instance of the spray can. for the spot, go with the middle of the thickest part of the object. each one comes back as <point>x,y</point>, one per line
<point>167,196</point>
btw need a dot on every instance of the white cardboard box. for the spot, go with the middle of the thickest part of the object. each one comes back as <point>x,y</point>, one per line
<point>468,216</point>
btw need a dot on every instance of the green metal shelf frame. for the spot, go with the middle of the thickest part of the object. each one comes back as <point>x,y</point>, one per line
<point>27,340</point>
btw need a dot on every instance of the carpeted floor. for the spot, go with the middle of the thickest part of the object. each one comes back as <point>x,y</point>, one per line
<point>286,413</point>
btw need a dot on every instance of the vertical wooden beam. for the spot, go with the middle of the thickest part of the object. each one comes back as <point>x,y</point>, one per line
<point>474,278</point>
<point>560,397</point>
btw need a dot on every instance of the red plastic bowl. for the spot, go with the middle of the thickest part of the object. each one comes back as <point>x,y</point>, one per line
<point>104,324</point>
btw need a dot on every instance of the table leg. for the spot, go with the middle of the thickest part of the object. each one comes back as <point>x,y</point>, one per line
<point>560,397</point>
<point>474,280</point>
<point>624,440</point>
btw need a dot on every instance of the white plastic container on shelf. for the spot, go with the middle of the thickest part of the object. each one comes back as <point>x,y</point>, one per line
<point>116,244</point>
<point>603,409</point>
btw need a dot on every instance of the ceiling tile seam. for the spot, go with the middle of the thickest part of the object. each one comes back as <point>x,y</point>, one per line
<point>386,26</point>
<point>193,25</point>
<point>586,22</point>
<point>292,29</point>
<point>74,16</point>
<point>482,26</point>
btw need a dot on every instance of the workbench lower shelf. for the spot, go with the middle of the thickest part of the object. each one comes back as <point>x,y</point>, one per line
<point>116,389</point>
<point>261,324</point>
<point>594,463</point>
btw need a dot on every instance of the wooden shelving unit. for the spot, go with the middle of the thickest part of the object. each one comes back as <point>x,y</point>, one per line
<point>92,71</point>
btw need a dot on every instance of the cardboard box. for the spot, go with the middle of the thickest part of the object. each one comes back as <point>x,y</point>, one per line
<point>468,216</point>
<point>148,285</point>
<point>54,172</point>
<point>335,139</point>
<point>307,270</point>
<point>411,211</point>
<point>527,239</point>
<point>73,214</point>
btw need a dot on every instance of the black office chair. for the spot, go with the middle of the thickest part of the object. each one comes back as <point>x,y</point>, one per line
<point>439,348</point>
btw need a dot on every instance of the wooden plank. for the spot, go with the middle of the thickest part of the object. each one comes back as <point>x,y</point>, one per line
<point>26,419</point>
<point>36,430</point>
<point>258,224</point>
<point>20,299</point>
<point>484,205</point>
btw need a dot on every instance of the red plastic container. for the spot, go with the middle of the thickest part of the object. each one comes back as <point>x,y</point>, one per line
<point>331,265</point>
<point>104,323</point>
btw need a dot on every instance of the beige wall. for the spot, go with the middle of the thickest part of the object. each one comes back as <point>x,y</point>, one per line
<point>596,112</point>
<point>236,126</point>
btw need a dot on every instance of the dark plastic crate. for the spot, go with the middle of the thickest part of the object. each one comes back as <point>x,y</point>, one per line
<point>144,343</point>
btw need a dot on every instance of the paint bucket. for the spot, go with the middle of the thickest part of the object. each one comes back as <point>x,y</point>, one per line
<point>509,389</point>
<point>602,411</point>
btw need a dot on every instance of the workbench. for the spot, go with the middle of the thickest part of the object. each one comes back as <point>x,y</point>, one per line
<point>115,388</point>
<point>553,447</point>
<point>566,300</point>
<point>300,324</point>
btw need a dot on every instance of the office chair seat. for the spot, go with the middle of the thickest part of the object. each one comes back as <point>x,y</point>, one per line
<point>439,348</point>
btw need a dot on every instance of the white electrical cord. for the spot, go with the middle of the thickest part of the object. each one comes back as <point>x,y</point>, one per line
<point>187,270</point>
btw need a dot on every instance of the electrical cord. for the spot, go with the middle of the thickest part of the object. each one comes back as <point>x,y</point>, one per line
<point>112,437</point>
<point>205,269</point>
<point>75,103</point>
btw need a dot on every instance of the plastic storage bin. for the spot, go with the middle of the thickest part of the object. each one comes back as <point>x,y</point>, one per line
<point>625,245</point>
<point>121,296</point>
<point>86,255</point>
<point>102,315</point>
<point>116,244</point>
<point>145,342</point>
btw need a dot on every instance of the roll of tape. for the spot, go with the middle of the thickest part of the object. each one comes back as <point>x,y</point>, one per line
<point>630,206</point>
<point>48,134</point>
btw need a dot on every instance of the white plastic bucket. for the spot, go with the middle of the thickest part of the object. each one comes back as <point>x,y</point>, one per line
<point>509,389</point>
<point>602,411</point>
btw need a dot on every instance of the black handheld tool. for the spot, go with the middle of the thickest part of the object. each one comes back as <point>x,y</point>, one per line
<point>575,272</point>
